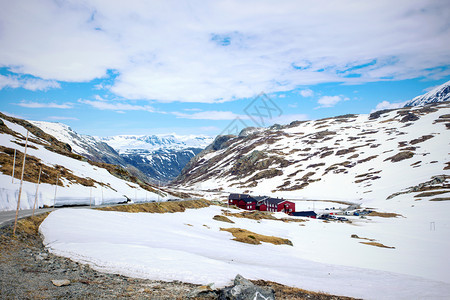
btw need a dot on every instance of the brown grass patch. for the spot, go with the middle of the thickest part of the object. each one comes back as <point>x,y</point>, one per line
<point>30,225</point>
<point>376,244</point>
<point>222,219</point>
<point>253,215</point>
<point>249,237</point>
<point>429,194</point>
<point>291,293</point>
<point>441,199</point>
<point>354,236</point>
<point>158,207</point>
<point>260,215</point>
<point>384,215</point>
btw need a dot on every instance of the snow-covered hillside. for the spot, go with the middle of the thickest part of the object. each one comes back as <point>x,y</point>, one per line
<point>438,94</point>
<point>85,145</point>
<point>352,158</point>
<point>79,181</point>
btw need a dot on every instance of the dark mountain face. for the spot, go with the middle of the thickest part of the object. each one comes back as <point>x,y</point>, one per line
<point>161,165</point>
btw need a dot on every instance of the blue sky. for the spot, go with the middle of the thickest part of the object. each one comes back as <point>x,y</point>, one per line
<point>151,67</point>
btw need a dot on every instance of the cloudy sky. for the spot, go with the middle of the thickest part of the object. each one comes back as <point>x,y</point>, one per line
<point>198,67</point>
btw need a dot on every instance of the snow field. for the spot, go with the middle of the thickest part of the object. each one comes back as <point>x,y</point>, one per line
<point>190,247</point>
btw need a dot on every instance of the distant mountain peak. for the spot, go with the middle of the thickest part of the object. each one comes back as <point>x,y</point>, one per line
<point>127,143</point>
<point>438,94</point>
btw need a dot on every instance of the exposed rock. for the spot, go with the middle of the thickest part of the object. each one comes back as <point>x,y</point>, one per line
<point>62,282</point>
<point>377,114</point>
<point>220,142</point>
<point>400,156</point>
<point>243,289</point>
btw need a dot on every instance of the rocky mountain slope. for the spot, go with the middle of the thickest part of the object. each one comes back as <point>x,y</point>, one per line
<point>350,157</point>
<point>66,179</point>
<point>84,145</point>
<point>438,94</point>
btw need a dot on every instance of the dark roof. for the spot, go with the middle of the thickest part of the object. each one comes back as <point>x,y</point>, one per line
<point>238,196</point>
<point>248,200</point>
<point>274,201</point>
<point>304,213</point>
<point>260,198</point>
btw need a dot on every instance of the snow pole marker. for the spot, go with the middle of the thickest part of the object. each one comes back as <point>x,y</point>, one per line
<point>14,166</point>
<point>21,184</point>
<point>56,186</point>
<point>37,190</point>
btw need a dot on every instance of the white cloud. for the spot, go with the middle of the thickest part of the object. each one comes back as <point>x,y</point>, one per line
<point>211,115</point>
<point>330,101</point>
<point>307,93</point>
<point>219,51</point>
<point>116,106</point>
<point>32,104</point>
<point>33,84</point>
<point>388,105</point>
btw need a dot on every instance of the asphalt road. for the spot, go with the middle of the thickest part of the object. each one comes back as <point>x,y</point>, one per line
<point>8,216</point>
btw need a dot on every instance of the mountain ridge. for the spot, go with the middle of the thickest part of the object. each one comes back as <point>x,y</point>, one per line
<point>155,158</point>
<point>315,158</point>
<point>438,94</point>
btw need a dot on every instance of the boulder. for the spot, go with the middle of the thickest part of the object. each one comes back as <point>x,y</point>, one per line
<point>61,282</point>
<point>243,289</point>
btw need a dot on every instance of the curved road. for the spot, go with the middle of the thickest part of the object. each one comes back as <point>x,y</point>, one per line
<point>9,215</point>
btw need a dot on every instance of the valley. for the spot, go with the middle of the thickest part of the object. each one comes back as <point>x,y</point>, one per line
<point>379,185</point>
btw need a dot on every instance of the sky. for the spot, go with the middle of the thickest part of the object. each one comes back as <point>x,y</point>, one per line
<point>213,67</point>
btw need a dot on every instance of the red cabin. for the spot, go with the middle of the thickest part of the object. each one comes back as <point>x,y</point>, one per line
<point>234,199</point>
<point>277,205</point>
<point>263,203</point>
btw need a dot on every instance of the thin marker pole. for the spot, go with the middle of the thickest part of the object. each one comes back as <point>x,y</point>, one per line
<point>37,190</point>
<point>21,184</point>
<point>14,166</point>
<point>90,197</point>
<point>56,186</point>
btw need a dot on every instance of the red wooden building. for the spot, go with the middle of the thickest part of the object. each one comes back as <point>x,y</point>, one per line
<point>263,203</point>
<point>234,199</point>
<point>277,205</point>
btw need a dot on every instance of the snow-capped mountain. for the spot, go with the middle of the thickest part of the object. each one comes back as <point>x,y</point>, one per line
<point>131,143</point>
<point>350,157</point>
<point>66,178</point>
<point>438,94</point>
<point>160,157</point>
<point>151,158</point>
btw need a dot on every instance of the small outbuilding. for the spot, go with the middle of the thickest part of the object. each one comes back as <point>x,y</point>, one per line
<point>309,214</point>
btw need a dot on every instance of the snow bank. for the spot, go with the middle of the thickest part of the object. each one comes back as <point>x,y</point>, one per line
<point>190,247</point>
